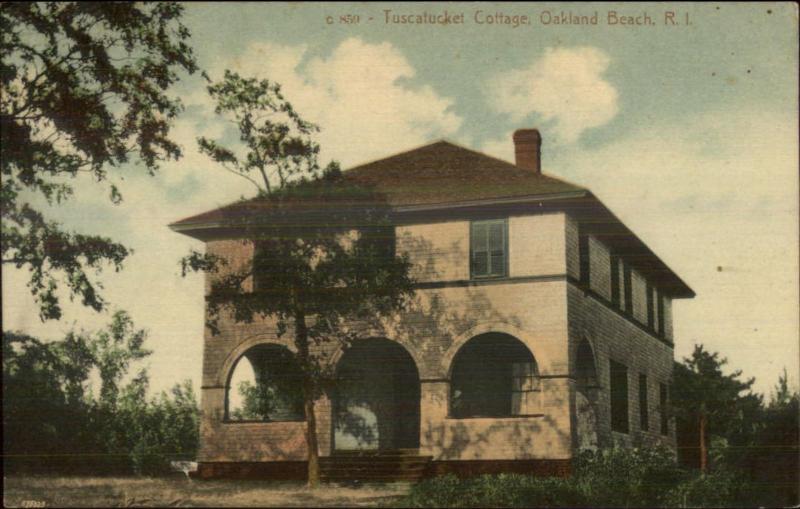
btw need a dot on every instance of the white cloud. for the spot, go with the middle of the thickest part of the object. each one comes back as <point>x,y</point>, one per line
<point>360,95</point>
<point>564,87</point>
<point>716,198</point>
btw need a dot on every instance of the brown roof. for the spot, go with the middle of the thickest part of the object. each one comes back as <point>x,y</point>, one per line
<point>441,175</point>
<point>438,173</point>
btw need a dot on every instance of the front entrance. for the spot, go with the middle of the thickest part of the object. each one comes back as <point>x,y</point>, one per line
<point>377,398</point>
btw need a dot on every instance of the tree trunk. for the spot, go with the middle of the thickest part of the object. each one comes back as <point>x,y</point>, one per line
<point>301,341</point>
<point>703,448</point>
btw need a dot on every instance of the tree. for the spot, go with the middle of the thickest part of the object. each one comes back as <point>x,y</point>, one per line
<point>708,402</point>
<point>278,142</point>
<point>52,421</point>
<point>84,90</point>
<point>324,257</point>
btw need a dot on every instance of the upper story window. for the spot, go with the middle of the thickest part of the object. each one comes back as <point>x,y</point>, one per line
<point>615,280</point>
<point>651,311</point>
<point>627,284</point>
<point>489,248</point>
<point>660,310</point>
<point>583,255</point>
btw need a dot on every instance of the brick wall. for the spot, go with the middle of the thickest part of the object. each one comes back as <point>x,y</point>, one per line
<point>536,245</point>
<point>440,320</point>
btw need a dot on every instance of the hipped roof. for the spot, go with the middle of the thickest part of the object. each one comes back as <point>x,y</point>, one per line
<point>447,180</point>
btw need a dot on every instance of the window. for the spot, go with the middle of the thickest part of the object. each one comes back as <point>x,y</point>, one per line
<point>663,400</point>
<point>494,375</point>
<point>615,280</point>
<point>619,397</point>
<point>644,414</point>
<point>626,277</point>
<point>489,248</point>
<point>660,307</point>
<point>583,253</point>
<point>651,319</point>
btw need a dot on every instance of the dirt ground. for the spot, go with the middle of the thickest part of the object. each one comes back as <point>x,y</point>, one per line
<point>22,491</point>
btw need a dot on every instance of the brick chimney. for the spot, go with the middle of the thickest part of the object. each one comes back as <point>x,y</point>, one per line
<point>527,148</point>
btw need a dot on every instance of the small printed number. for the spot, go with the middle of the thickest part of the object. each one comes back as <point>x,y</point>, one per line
<point>33,503</point>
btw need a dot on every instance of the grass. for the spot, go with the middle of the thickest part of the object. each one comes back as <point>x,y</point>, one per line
<point>64,491</point>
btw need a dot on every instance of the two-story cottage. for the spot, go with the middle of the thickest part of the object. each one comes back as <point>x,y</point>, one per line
<point>541,326</point>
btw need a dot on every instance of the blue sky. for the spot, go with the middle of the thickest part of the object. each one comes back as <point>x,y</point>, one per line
<point>688,133</point>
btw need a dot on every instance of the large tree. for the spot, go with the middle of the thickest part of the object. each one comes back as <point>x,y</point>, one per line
<point>324,260</point>
<point>84,89</point>
<point>710,403</point>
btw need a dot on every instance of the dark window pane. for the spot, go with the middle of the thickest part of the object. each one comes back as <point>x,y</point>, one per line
<point>496,236</point>
<point>583,254</point>
<point>628,289</point>
<point>619,397</point>
<point>662,403</point>
<point>644,414</point>
<point>479,235</point>
<point>480,263</point>
<point>498,263</point>
<point>615,280</point>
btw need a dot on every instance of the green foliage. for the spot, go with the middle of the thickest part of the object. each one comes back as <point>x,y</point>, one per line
<point>277,141</point>
<point>84,90</point>
<point>610,478</point>
<point>52,422</point>
<point>324,258</point>
<point>702,392</point>
<point>628,477</point>
<point>717,489</point>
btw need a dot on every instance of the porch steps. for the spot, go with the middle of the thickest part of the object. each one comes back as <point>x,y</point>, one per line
<point>374,466</point>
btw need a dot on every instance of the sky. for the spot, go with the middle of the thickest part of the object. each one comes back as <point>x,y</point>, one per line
<point>687,132</point>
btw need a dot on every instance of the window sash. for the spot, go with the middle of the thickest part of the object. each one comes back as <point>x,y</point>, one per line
<point>489,248</point>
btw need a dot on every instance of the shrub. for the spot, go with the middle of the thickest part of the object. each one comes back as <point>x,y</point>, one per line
<point>718,489</point>
<point>503,490</point>
<point>628,477</point>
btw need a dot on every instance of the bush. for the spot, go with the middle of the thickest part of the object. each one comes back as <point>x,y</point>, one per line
<point>608,478</point>
<point>628,477</point>
<point>718,489</point>
<point>504,490</point>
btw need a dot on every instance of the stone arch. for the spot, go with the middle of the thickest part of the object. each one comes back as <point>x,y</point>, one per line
<point>586,395</point>
<point>376,397</point>
<point>340,350</point>
<point>269,388</point>
<point>585,363</point>
<point>494,374</point>
<point>226,368</point>
<point>543,361</point>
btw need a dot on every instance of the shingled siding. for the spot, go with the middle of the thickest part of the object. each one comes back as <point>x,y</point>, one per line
<point>614,337</point>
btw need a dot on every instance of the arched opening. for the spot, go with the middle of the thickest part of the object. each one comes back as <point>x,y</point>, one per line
<point>586,397</point>
<point>376,398</point>
<point>585,370</point>
<point>494,375</point>
<point>265,384</point>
